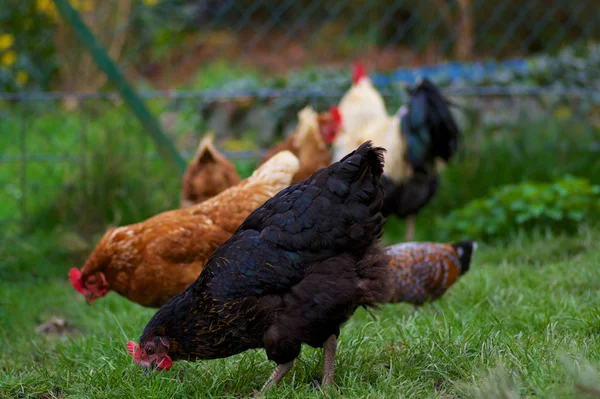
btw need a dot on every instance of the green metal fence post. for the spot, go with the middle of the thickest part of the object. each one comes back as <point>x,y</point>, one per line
<point>137,105</point>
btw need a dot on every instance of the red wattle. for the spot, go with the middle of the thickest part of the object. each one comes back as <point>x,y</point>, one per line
<point>75,277</point>
<point>165,364</point>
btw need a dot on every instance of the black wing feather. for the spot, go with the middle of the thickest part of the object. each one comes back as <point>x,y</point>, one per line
<point>335,210</point>
<point>429,126</point>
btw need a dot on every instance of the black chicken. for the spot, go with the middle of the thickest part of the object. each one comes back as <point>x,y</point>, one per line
<point>292,274</point>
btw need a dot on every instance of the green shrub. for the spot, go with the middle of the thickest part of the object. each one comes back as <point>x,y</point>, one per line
<point>561,206</point>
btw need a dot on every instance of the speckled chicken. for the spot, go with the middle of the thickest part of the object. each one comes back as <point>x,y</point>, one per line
<point>207,175</point>
<point>308,142</point>
<point>292,274</point>
<point>423,271</point>
<point>150,261</point>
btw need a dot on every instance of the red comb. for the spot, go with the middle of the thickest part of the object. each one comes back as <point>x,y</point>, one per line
<point>335,112</point>
<point>75,277</point>
<point>358,73</point>
<point>134,350</point>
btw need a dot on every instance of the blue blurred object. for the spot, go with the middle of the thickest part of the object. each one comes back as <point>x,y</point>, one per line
<point>468,72</point>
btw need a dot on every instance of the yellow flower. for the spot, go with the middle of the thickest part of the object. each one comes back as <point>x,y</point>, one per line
<point>47,7</point>
<point>150,3</point>
<point>6,41</point>
<point>22,78</point>
<point>87,5</point>
<point>74,4</point>
<point>44,5</point>
<point>8,58</point>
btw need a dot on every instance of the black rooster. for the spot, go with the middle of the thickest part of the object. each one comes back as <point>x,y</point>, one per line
<point>292,274</point>
<point>431,134</point>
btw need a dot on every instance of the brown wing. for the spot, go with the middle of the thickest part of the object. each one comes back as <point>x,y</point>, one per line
<point>234,205</point>
<point>173,259</point>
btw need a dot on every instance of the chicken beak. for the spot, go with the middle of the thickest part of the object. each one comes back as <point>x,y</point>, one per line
<point>147,367</point>
<point>90,298</point>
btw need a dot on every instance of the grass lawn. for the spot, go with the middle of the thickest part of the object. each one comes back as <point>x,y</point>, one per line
<point>524,322</point>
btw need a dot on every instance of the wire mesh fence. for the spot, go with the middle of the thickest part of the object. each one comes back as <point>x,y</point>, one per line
<point>167,42</point>
<point>72,152</point>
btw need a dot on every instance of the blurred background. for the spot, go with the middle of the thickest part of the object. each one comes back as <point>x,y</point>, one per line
<point>75,158</point>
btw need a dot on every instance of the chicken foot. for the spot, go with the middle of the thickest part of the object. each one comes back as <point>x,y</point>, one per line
<point>329,349</point>
<point>280,371</point>
<point>410,228</point>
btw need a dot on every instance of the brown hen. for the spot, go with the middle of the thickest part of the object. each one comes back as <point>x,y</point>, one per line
<point>151,261</point>
<point>207,175</point>
<point>308,142</point>
<point>423,271</point>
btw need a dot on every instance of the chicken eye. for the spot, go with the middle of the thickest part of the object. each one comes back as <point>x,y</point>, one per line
<point>150,350</point>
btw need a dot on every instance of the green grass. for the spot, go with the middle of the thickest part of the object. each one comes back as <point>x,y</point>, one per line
<point>524,322</point>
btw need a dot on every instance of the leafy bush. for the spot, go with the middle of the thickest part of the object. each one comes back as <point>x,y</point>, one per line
<point>558,206</point>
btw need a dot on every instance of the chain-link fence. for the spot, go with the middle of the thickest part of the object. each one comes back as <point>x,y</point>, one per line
<point>73,153</point>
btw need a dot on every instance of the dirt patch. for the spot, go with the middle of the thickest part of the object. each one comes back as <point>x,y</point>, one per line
<point>57,326</point>
<point>54,394</point>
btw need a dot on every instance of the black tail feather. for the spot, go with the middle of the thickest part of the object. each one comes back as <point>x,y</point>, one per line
<point>336,209</point>
<point>431,129</point>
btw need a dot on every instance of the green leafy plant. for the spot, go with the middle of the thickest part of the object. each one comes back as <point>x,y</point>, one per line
<point>560,206</point>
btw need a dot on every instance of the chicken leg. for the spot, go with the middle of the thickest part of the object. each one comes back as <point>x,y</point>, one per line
<point>410,228</point>
<point>329,348</point>
<point>280,371</point>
